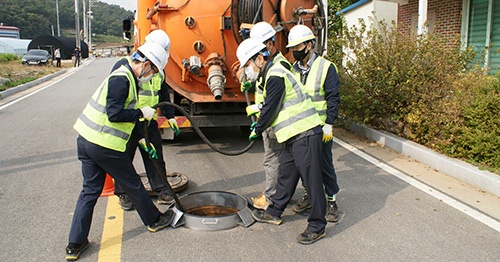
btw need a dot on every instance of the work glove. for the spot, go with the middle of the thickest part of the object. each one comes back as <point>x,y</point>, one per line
<point>245,86</point>
<point>252,136</point>
<point>327,133</point>
<point>151,152</point>
<point>175,127</point>
<point>148,112</point>
<point>253,109</point>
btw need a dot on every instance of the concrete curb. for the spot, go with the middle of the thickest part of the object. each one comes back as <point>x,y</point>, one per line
<point>468,173</point>
<point>23,87</point>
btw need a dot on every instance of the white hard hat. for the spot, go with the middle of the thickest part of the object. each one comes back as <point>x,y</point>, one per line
<point>262,31</point>
<point>154,53</point>
<point>159,37</point>
<point>247,49</point>
<point>299,34</point>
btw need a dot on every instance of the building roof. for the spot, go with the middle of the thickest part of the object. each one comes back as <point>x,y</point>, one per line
<point>14,46</point>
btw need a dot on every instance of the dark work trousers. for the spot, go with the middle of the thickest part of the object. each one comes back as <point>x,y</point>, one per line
<point>301,160</point>
<point>96,162</point>
<point>158,185</point>
<point>329,175</point>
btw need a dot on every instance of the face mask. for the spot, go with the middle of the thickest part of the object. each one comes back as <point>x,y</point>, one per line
<point>301,54</point>
<point>252,76</point>
<point>144,79</point>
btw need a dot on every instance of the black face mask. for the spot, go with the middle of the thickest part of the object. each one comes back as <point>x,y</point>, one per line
<point>299,55</point>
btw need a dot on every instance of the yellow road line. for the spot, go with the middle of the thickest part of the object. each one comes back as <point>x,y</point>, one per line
<point>111,243</point>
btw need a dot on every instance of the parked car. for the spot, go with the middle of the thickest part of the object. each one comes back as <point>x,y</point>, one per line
<point>37,57</point>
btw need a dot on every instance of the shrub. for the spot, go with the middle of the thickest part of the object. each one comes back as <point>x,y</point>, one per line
<point>425,89</point>
<point>8,57</point>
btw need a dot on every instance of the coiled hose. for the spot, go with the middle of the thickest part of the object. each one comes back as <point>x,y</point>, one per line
<point>202,136</point>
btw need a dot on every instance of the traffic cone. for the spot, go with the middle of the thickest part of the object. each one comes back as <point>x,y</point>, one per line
<point>109,186</point>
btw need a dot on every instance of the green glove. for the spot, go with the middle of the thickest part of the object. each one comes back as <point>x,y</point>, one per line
<point>252,136</point>
<point>174,126</point>
<point>253,109</point>
<point>252,127</point>
<point>151,151</point>
<point>246,86</point>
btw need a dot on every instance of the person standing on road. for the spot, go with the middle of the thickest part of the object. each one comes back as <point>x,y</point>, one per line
<point>76,54</point>
<point>265,33</point>
<point>321,81</point>
<point>151,93</point>
<point>289,111</point>
<point>57,55</point>
<point>104,129</point>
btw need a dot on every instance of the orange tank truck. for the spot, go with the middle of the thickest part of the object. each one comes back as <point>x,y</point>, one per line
<point>204,35</point>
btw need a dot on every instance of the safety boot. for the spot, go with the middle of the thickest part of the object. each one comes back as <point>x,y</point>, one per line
<point>125,202</point>
<point>163,221</point>
<point>308,237</point>
<point>74,250</point>
<point>333,214</point>
<point>302,205</point>
<point>165,199</point>
<point>264,217</point>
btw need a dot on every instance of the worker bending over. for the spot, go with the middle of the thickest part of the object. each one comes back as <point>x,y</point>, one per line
<point>288,110</point>
<point>104,129</point>
<point>151,92</point>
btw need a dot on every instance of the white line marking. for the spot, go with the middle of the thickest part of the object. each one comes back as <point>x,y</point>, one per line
<point>419,185</point>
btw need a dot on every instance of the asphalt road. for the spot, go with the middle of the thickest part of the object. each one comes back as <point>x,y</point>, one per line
<point>387,218</point>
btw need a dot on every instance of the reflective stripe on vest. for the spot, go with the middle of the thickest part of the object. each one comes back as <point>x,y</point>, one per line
<point>315,84</point>
<point>94,125</point>
<point>297,113</point>
<point>259,89</point>
<point>149,92</point>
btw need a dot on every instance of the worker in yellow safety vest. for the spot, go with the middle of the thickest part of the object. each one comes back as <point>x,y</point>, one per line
<point>288,110</point>
<point>104,129</point>
<point>150,94</point>
<point>321,81</point>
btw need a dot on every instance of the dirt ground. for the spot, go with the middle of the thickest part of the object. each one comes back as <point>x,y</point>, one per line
<point>15,71</point>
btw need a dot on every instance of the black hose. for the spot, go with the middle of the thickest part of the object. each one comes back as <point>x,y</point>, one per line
<point>158,169</point>
<point>203,137</point>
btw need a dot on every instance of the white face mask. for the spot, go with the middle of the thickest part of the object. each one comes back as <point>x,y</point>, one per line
<point>252,76</point>
<point>144,79</point>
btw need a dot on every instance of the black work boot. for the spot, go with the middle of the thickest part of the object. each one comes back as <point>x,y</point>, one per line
<point>263,217</point>
<point>163,221</point>
<point>333,214</point>
<point>125,202</point>
<point>307,237</point>
<point>302,205</point>
<point>74,250</point>
<point>165,199</point>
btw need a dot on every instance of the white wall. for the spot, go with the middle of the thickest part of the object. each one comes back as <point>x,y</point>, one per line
<point>371,12</point>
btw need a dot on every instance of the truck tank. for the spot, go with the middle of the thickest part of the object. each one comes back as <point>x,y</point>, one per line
<point>205,34</point>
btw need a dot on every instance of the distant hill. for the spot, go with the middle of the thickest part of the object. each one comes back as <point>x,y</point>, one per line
<point>36,17</point>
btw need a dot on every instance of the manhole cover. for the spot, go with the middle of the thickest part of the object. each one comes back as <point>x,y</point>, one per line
<point>177,181</point>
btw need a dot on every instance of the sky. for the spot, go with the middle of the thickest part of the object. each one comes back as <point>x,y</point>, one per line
<point>130,5</point>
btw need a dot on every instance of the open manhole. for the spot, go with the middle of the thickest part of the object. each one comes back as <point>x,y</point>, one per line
<point>212,210</point>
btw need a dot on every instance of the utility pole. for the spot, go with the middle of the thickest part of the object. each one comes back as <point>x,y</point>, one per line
<point>85,29</point>
<point>57,12</point>
<point>90,24</point>
<point>77,25</point>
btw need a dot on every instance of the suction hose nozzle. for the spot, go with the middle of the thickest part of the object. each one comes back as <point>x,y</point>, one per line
<point>216,81</point>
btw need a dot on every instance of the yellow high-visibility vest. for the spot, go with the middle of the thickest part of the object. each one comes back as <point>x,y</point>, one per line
<point>297,113</point>
<point>94,125</point>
